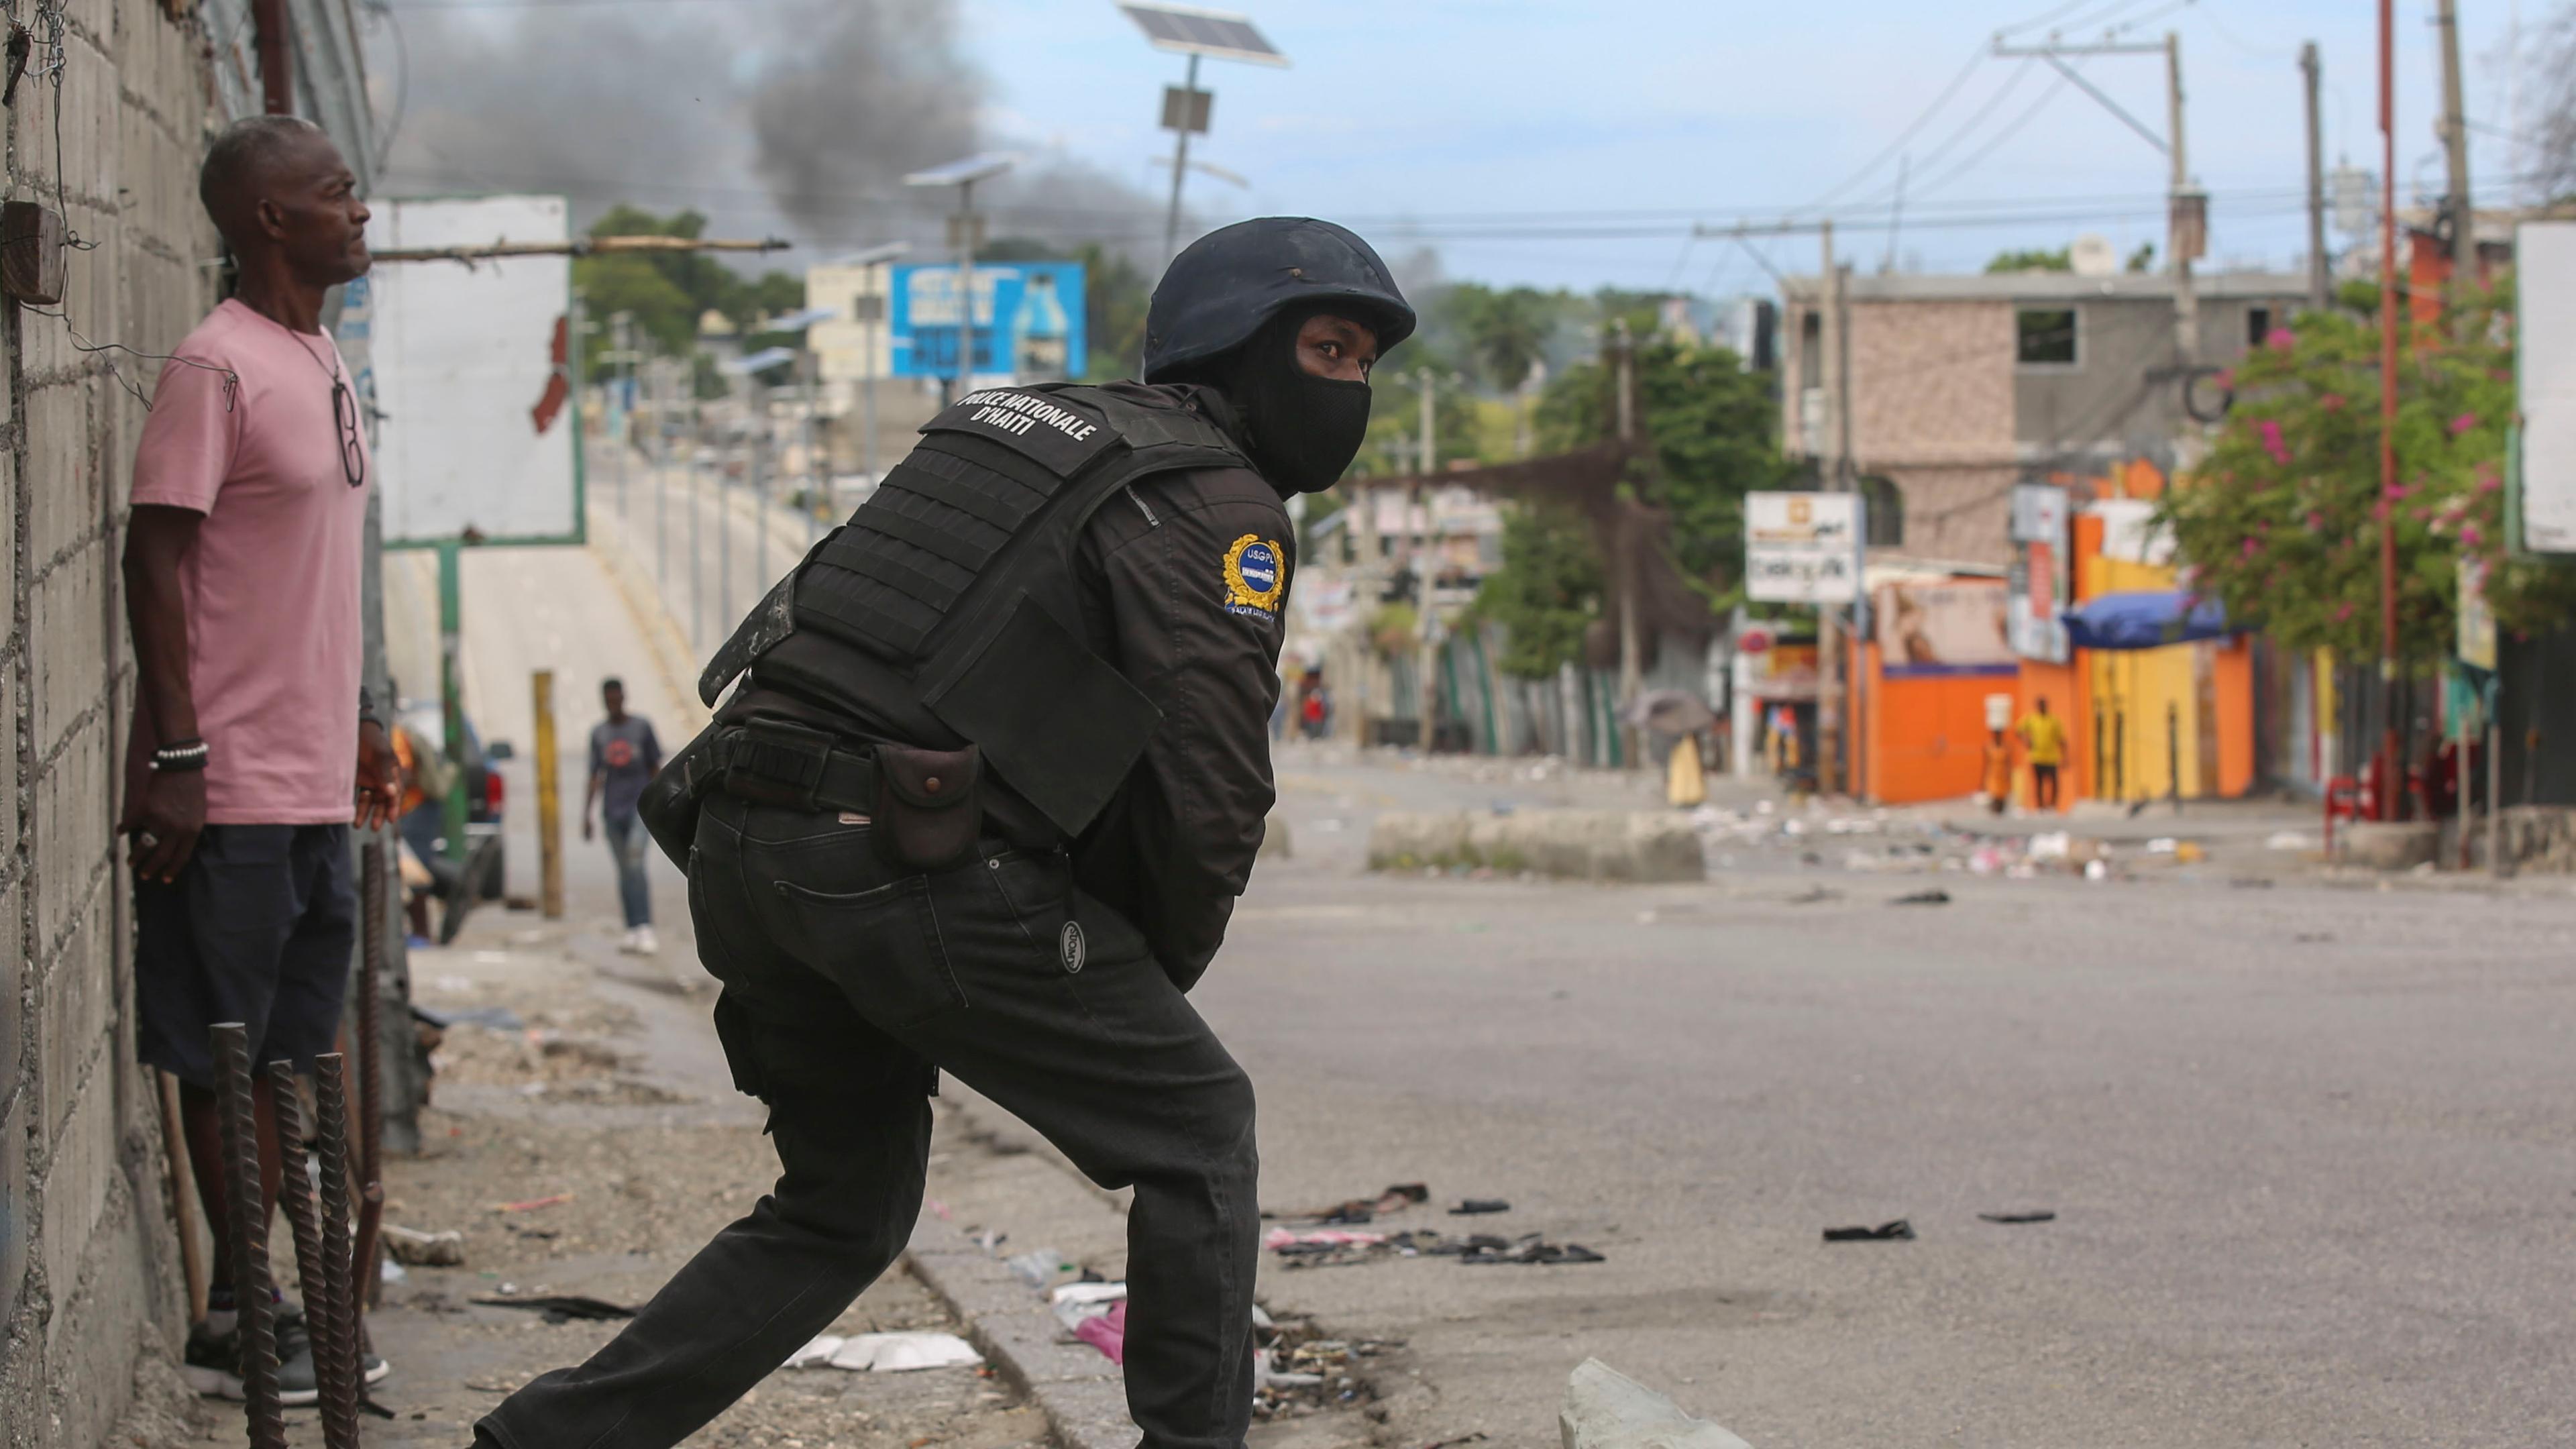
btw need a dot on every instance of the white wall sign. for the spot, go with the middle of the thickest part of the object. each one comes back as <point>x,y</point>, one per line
<point>465,361</point>
<point>2545,351</point>
<point>1802,548</point>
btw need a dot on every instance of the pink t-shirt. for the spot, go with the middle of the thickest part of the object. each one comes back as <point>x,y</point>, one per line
<point>271,587</point>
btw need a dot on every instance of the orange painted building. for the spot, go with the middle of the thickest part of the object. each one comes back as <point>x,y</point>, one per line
<point>2137,721</point>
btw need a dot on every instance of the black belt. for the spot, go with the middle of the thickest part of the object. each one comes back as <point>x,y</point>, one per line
<point>784,764</point>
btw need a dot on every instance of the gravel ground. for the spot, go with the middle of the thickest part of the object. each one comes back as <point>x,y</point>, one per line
<point>564,1098</point>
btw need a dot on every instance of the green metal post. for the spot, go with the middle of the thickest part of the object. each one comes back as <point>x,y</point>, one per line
<point>1485,688</point>
<point>451,693</point>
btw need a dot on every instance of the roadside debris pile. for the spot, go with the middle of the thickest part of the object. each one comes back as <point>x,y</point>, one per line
<point>1323,1237</point>
<point>1334,1248</point>
<point>1880,842</point>
<point>1302,1372</point>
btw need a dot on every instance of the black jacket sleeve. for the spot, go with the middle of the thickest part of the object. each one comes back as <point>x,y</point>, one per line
<point>1189,576</point>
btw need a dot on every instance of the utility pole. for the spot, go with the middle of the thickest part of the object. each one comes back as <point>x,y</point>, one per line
<point>1624,379</point>
<point>2388,799</point>
<point>2187,213</point>
<point>2312,70</point>
<point>2455,158</point>
<point>1836,478</point>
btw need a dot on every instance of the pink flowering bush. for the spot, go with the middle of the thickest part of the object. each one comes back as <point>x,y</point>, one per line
<point>2282,521</point>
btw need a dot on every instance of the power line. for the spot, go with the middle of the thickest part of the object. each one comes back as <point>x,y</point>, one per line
<point>1975,58</point>
<point>2008,132</point>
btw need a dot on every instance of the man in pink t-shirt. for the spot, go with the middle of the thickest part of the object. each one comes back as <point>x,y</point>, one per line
<point>251,751</point>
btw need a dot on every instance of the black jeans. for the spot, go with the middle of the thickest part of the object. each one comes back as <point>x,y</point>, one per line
<point>845,982</point>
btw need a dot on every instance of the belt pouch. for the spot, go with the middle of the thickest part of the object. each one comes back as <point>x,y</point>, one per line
<point>927,817</point>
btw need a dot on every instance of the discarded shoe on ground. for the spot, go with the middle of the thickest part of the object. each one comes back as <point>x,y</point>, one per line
<point>1899,1231</point>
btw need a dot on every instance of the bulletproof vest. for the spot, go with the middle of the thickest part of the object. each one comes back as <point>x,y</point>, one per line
<point>946,610</point>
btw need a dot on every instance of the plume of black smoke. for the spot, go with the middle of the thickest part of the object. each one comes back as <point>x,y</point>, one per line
<point>793,117</point>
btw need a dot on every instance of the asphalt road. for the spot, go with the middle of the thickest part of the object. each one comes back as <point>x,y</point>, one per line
<point>2312,1148</point>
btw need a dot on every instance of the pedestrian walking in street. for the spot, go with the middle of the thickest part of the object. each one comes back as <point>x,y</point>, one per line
<point>242,575</point>
<point>2044,736</point>
<point>995,774</point>
<point>1998,772</point>
<point>623,756</point>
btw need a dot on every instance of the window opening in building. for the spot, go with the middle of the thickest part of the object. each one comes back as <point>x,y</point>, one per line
<point>2044,336</point>
<point>2258,325</point>
<point>1883,512</point>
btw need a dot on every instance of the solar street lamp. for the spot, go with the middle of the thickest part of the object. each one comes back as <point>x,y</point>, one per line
<point>963,175</point>
<point>1193,32</point>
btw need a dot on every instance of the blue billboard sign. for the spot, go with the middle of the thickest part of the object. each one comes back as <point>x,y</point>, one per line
<point>1028,321</point>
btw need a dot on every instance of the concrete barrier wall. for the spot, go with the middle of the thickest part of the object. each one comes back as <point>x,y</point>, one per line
<point>87,1262</point>
<point>1598,845</point>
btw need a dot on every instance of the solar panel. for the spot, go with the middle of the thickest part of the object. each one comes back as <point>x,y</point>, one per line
<point>1193,31</point>
<point>973,168</point>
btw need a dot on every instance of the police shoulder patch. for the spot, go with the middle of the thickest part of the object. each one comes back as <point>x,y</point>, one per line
<point>1254,577</point>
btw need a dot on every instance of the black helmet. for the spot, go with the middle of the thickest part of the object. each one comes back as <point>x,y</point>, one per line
<point>1223,286</point>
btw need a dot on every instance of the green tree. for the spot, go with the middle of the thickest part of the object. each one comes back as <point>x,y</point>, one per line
<point>1712,424</point>
<point>2060,260</point>
<point>1506,332</point>
<point>2283,521</point>
<point>1548,591</point>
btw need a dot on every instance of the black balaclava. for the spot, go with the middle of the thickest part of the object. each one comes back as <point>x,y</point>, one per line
<point>1303,429</point>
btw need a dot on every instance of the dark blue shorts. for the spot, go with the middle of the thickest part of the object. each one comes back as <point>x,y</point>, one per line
<point>258,928</point>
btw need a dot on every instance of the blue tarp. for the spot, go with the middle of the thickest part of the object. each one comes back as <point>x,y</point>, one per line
<point>2144,620</point>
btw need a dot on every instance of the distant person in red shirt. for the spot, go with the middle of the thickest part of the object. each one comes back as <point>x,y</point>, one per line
<point>254,745</point>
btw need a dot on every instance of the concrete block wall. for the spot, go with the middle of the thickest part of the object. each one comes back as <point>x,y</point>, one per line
<point>88,1266</point>
<point>1931,383</point>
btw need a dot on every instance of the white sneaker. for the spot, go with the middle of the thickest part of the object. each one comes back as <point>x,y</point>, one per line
<point>645,945</point>
<point>626,944</point>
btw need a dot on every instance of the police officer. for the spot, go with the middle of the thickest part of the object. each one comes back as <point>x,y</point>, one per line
<point>994,774</point>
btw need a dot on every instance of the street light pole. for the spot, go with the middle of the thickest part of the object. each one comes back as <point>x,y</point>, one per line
<point>1180,161</point>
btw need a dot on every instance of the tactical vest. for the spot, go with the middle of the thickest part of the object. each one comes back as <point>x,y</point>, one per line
<point>946,611</point>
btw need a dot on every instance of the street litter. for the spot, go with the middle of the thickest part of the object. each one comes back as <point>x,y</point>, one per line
<point>1075,1303</point>
<point>1933,897</point>
<point>2051,845</point>
<point>1038,1267</point>
<point>423,1250</point>
<point>886,1353</point>
<point>2041,1216</point>
<point>1899,1231</point>
<point>558,1307</point>
<point>2291,840</point>
<point>1534,1250</point>
<point>1396,1198</point>
<point>1107,1332</point>
<point>1814,895</point>
<point>532,1204</point>
<point>1475,1205</point>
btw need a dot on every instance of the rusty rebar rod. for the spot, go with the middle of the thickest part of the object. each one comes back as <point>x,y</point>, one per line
<point>371,1075</point>
<point>339,1378</point>
<point>246,1220</point>
<point>303,1218</point>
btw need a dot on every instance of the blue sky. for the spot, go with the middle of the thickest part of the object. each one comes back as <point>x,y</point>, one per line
<point>1643,113</point>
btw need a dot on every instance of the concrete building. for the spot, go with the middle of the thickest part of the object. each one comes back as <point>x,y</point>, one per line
<point>1962,386</point>
<point>853,355</point>
<point>89,1275</point>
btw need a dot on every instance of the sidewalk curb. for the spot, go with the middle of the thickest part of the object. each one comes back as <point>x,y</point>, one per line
<point>1083,1395</point>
